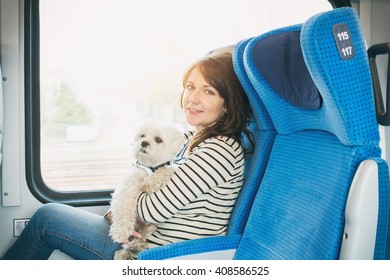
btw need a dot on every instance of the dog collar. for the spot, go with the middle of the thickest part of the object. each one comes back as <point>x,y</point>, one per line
<point>151,169</point>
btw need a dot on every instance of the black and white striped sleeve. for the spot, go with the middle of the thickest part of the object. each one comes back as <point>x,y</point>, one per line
<point>212,163</point>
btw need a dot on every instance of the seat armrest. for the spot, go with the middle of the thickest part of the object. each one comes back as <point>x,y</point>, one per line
<point>366,216</point>
<point>192,247</point>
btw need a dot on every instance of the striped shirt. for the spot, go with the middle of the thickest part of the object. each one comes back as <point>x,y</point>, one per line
<point>198,200</point>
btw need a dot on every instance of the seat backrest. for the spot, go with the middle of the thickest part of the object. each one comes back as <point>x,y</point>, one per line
<point>320,100</point>
<point>264,133</point>
<point>351,77</point>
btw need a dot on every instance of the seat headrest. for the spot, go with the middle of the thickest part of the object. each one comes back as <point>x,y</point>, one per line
<point>285,70</point>
<point>306,84</point>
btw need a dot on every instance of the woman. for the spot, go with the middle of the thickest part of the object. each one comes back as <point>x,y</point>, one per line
<point>198,200</point>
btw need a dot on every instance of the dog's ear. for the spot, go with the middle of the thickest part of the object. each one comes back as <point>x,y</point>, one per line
<point>177,144</point>
<point>177,141</point>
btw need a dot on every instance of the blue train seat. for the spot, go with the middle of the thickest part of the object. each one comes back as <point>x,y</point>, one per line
<point>323,137</point>
<point>366,220</point>
<point>325,192</point>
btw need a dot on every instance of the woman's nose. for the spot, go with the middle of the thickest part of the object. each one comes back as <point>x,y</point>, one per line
<point>194,97</point>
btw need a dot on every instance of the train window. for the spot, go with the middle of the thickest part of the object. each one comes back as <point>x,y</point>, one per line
<point>105,66</point>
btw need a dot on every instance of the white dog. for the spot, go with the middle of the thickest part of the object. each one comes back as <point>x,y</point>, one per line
<point>154,147</point>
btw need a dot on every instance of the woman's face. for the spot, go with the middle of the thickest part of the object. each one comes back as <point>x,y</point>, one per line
<point>202,103</point>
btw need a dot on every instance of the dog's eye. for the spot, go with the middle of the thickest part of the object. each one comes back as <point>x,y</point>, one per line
<point>158,140</point>
<point>142,136</point>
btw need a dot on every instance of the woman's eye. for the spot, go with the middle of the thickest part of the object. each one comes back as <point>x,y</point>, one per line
<point>209,92</point>
<point>189,87</point>
<point>158,140</point>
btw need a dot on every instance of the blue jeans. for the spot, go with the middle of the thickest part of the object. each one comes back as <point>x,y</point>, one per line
<point>78,233</point>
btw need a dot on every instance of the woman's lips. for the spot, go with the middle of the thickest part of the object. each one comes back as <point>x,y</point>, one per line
<point>193,111</point>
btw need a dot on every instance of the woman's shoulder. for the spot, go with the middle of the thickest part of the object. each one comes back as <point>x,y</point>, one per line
<point>222,143</point>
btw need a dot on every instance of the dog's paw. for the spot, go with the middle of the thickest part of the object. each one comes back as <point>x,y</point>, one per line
<point>147,231</point>
<point>137,246</point>
<point>122,254</point>
<point>120,236</point>
<point>133,255</point>
<point>130,250</point>
<point>156,180</point>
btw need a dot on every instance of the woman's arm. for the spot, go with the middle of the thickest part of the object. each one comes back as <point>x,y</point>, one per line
<point>214,162</point>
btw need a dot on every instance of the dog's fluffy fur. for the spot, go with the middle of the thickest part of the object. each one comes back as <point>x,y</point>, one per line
<point>154,145</point>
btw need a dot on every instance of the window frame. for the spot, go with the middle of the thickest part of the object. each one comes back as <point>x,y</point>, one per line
<point>34,179</point>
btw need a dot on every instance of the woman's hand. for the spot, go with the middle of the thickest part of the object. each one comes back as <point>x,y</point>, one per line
<point>134,235</point>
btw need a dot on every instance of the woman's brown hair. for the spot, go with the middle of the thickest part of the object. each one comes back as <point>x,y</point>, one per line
<point>218,71</point>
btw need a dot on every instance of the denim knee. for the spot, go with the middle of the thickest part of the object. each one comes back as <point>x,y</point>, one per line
<point>47,213</point>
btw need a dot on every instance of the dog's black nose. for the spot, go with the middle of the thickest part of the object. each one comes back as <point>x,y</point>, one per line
<point>145,144</point>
